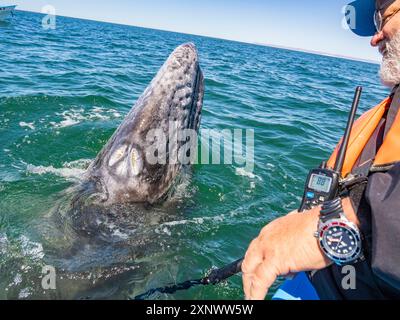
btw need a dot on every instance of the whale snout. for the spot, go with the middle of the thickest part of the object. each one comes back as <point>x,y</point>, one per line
<point>181,64</point>
<point>186,48</point>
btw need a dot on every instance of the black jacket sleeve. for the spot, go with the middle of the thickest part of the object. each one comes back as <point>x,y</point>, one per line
<point>383,197</point>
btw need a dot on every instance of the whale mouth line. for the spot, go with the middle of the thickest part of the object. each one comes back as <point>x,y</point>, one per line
<point>195,96</point>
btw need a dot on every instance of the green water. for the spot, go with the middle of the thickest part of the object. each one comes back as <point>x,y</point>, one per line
<point>64,92</point>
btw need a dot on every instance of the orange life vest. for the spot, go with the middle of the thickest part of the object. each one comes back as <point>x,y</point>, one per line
<point>363,128</point>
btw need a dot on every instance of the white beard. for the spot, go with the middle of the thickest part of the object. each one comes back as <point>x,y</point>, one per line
<point>390,67</point>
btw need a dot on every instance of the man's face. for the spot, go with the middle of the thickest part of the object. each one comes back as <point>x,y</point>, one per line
<point>388,42</point>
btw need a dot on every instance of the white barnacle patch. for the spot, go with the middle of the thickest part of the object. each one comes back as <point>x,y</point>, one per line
<point>187,102</point>
<point>117,155</point>
<point>183,96</point>
<point>136,162</point>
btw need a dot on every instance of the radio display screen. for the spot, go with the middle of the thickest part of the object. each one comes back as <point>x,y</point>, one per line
<point>320,183</point>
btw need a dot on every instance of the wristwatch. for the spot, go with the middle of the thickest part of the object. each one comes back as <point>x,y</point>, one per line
<point>339,238</point>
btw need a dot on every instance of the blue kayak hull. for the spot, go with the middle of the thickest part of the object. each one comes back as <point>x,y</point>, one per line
<point>298,288</point>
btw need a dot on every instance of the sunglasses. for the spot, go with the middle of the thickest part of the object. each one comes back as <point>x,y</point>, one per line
<point>378,19</point>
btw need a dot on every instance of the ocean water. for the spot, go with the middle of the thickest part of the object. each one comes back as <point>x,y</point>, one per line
<point>64,92</point>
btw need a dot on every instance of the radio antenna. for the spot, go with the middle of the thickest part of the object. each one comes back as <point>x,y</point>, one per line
<point>343,148</point>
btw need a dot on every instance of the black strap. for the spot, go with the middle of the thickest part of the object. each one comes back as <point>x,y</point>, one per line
<point>216,276</point>
<point>367,156</point>
<point>393,110</point>
<point>331,209</point>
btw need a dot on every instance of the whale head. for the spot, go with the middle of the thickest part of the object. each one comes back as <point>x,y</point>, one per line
<point>143,157</point>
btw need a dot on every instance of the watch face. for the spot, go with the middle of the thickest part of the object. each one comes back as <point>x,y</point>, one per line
<point>341,241</point>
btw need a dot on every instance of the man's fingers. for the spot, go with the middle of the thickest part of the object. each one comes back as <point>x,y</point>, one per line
<point>252,259</point>
<point>264,276</point>
<point>247,278</point>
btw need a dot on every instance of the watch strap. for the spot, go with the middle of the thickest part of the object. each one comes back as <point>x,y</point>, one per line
<point>331,209</point>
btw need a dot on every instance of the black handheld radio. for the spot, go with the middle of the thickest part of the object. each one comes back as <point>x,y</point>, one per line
<point>323,183</point>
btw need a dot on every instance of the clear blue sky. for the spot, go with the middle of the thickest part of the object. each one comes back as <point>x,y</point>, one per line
<point>304,24</point>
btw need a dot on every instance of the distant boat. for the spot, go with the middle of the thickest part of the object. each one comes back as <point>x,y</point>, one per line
<point>6,12</point>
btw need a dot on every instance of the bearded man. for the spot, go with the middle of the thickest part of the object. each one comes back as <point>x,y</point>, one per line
<point>370,210</point>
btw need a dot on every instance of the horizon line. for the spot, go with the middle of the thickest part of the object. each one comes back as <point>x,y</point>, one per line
<point>269,45</point>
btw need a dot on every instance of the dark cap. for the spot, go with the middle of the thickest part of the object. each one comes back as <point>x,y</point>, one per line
<point>360,14</point>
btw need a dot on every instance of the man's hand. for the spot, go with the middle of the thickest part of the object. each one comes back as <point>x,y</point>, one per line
<point>285,246</point>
